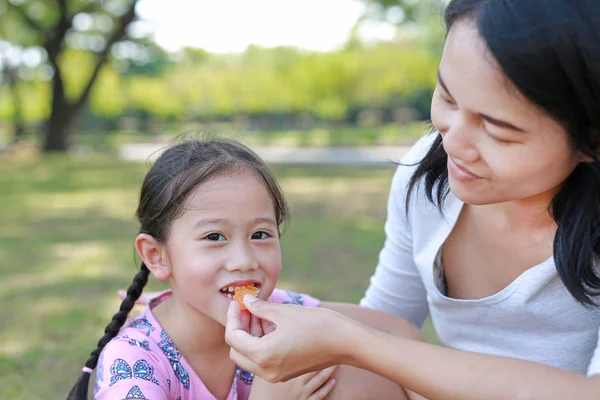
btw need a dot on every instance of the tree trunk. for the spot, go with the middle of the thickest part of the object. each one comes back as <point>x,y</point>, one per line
<point>60,131</point>
<point>65,114</point>
<point>60,123</point>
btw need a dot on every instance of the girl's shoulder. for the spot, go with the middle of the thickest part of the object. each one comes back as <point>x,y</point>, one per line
<point>287,297</point>
<point>137,361</point>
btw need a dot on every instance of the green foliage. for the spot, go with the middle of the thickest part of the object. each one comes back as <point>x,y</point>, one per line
<point>258,81</point>
<point>194,84</point>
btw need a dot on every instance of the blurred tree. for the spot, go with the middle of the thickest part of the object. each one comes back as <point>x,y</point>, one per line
<point>56,26</point>
<point>401,12</point>
<point>9,76</point>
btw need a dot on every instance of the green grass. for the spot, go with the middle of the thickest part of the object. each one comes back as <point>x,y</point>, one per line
<point>66,246</point>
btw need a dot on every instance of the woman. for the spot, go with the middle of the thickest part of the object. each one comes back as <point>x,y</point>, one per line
<point>493,224</point>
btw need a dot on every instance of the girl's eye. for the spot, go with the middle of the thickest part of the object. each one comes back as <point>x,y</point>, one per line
<point>260,235</point>
<point>215,237</point>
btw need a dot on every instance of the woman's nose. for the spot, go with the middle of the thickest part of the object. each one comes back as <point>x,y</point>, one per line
<point>458,140</point>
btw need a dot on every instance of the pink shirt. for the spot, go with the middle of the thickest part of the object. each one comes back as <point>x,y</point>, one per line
<point>143,363</point>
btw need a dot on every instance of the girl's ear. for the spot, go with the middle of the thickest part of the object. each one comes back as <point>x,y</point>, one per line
<point>154,255</point>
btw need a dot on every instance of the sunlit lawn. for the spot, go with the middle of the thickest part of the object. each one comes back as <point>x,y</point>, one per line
<point>66,246</point>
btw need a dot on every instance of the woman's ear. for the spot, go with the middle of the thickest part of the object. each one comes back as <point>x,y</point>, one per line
<point>154,255</point>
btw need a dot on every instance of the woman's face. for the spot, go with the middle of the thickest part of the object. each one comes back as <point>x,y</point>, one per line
<point>500,146</point>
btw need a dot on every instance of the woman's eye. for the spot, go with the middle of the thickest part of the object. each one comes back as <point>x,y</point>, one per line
<point>215,237</point>
<point>495,138</point>
<point>260,235</point>
<point>498,140</point>
<point>447,101</point>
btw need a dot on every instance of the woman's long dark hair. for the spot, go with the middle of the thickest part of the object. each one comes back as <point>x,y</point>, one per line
<point>550,51</point>
<point>172,178</point>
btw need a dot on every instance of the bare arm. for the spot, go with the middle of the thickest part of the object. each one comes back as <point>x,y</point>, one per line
<point>377,319</point>
<point>442,373</point>
<point>299,345</point>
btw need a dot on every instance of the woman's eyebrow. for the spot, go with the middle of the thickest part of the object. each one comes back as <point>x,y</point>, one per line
<point>500,123</point>
<point>491,120</point>
<point>441,82</point>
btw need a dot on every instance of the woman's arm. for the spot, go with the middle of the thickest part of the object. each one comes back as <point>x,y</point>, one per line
<point>377,319</point>
<point>353,380</point>
<point>310,339</point>
<point>443,373</point>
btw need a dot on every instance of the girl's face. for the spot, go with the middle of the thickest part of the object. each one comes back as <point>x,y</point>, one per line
<point>500,146</point>
<point>226,237</point>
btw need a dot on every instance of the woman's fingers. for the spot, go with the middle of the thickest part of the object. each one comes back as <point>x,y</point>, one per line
<point>245,321</point>
<point>236,331</point>
<point>318,379</point>
<point>256,328</point>
<point>324,391</point>
<point>242,361</point>
<point>267,326</point>
<point>293,343</point>
<point>262,309</point>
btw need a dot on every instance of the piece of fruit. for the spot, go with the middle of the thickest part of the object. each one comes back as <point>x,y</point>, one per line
<point>238,294</point>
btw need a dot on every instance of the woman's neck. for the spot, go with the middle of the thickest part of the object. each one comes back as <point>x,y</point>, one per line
<point>525,214</point>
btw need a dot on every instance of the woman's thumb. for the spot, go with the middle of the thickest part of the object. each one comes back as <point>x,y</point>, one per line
<point>259,308</point>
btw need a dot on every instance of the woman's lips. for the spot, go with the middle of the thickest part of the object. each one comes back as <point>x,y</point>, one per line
<point>459,173</point>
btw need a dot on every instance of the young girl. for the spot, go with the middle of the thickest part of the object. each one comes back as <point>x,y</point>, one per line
<point>209,214</point>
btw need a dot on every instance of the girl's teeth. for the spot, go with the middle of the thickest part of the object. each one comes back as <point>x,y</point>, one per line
<point>230,289</point>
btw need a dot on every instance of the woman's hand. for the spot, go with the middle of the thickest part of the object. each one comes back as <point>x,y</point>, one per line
<point>311,386</point>
<point>304,339</point>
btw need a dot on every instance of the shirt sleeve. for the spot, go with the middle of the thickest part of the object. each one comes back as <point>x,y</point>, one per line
<point>594,367</point>
<point>128,369</point>
<point>396,286</point>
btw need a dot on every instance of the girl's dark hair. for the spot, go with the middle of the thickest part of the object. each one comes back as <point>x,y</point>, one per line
<point>550,51</point>
<point>172,178</point>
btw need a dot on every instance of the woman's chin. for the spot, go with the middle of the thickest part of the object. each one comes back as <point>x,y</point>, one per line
<point>470,196</point>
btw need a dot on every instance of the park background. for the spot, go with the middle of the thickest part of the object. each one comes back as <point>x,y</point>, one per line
<point>90,89</point>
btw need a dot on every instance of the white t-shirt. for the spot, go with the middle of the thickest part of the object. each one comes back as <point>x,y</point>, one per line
<point>534,318</point>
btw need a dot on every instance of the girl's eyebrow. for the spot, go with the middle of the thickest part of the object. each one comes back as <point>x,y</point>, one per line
<point>491,120</point>
<point>267,220</point>
<point>216,221</point>
<point>209,221</point>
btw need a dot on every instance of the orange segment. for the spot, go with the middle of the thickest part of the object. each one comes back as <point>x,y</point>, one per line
<point>238,294</point>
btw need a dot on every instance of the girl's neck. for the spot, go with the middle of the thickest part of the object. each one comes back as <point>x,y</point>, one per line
<point>201,341</point>
<point>194,333</point>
